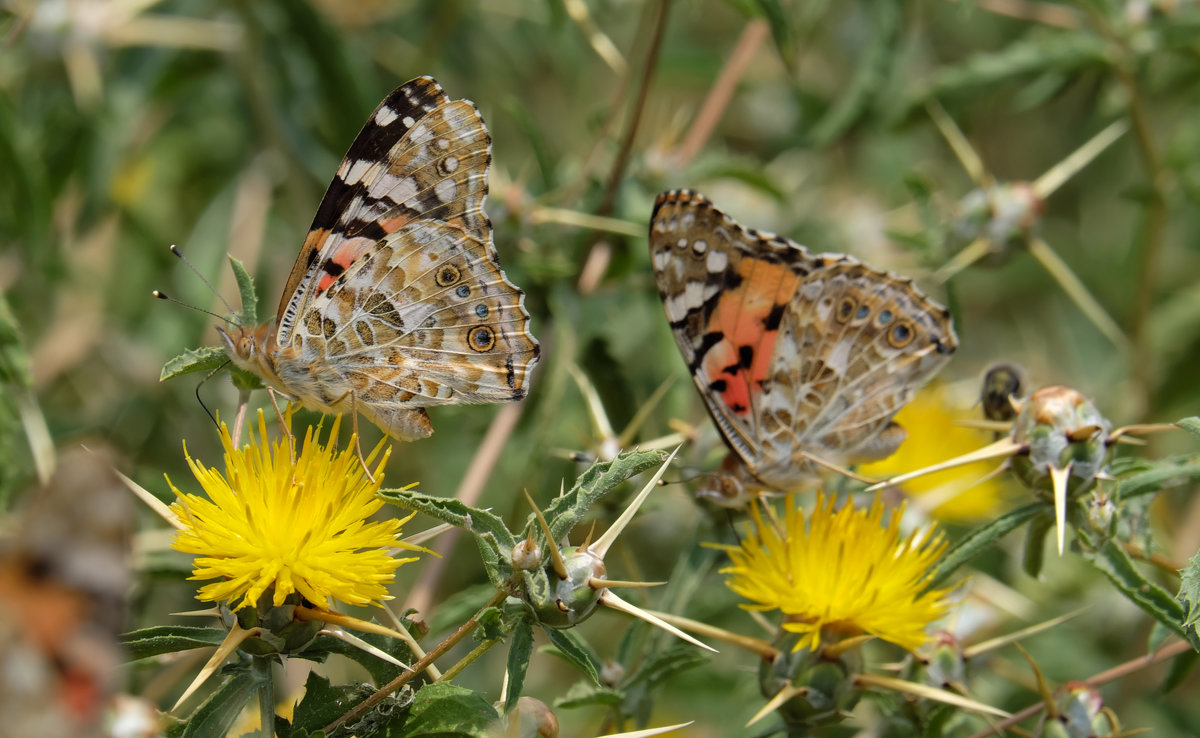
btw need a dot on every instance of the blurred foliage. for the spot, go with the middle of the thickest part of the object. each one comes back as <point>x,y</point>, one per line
<point>128,126</point>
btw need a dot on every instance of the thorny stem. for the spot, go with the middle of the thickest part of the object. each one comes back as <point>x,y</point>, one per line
<point>597,259</point>
<point>452,640</point>
<point>465,661</point>
<point>239,420</point>
<point>1104,677</point>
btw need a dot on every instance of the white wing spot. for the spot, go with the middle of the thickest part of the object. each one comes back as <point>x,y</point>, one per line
<point>699,246</point>
<point>445,190</point>
<point>357,170</point>
<point>420,133</point>
<point>443,143</point>
<point>408,121</point>
<point>405,190</point>
<point>716,261</point>
<point>385,115</point>
<point>450,163</point>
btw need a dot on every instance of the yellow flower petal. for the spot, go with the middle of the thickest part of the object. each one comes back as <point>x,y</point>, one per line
<point>843,573</point>
<point>289,525</point>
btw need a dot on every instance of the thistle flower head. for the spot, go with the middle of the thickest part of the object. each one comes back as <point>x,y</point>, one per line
<point>288,523</point>
<point>839,574</point>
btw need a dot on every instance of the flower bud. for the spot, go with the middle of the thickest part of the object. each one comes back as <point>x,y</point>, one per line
<point>1061,427</point>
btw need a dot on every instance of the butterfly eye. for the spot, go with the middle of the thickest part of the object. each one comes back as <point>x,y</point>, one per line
<point>845,309</point>
<point>481,338</point>
<point>447,275</point>
<point>246,347</point>
<point>901,334</point>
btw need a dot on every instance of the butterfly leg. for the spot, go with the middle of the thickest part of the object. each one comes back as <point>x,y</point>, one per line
<point>284,422</point>
<point>354,428</point>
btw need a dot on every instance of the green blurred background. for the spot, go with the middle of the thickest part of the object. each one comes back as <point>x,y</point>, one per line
<point>130,125</point>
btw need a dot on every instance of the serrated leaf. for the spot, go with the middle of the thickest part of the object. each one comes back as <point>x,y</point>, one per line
<point>582,694</point>
<point>491,535</point>
<point>520,648</point>
<point>978,540</point>
<point>601,478</point>
<point>222,708</point>
<point>245,283</point>
<point>322,704</point>
<point>161,639</point>
<point>203,359</point>
<point>575,650</point>
<point>1189,599</point>
<point>444,710</point>
<point>1115,564</point>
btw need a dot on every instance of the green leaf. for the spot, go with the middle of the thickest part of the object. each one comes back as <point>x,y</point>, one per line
<point>218,713</point>
<point>567,510</point>
<point>1115,564</point>
<point>14,357</point>
<point>1035,544</point>
<point>203,359</point>
<point>978,540</point>
<point>1189,599</point>
<point>322,704</point>
<point>1039,53</point>
<point>520,648</point>
<point>870,76</point>
<point>574,649</point>
<point>444,711</point>
<point>1165,472</point>
<point>245,283</point>
<point>492,536</point>
<point>661,666</point>
<point>160,639</point>
<point>582,694</point>
<point>781,32</point>
<point>1191,425</point>
<point>1181,666</point>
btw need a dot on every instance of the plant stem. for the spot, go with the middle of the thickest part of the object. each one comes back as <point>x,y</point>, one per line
<point>261,666</point>
<point>463,631</point>
<point>465,661</point>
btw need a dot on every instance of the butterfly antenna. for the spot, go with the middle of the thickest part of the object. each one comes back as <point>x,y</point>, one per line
<point>207,377</point>
<point>164,296</point>
<point>178,252</point>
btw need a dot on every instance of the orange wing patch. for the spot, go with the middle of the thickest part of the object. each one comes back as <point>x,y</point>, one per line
<point>747,318</point>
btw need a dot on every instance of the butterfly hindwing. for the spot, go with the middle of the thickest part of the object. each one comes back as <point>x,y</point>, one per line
<point>854,345</point>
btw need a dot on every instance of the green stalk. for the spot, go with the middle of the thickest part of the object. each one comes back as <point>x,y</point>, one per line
<point>261,666</point>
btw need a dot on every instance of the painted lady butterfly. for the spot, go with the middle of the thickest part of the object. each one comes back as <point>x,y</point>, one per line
<point>397,300</point>
<point>800,357</point>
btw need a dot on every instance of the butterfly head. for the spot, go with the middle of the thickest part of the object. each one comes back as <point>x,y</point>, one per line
<point>248,348</point>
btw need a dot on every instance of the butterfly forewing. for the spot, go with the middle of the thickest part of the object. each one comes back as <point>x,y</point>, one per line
<point>420,156</point>
<point>725,289</point>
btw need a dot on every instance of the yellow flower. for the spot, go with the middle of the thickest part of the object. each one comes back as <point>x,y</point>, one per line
<point>294,524</point>
<point>933,437</point>
<point>843,573</point>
